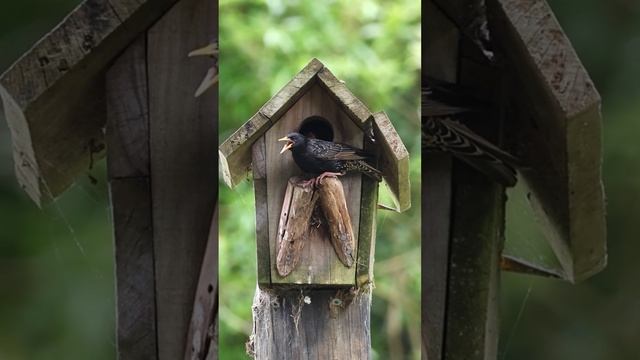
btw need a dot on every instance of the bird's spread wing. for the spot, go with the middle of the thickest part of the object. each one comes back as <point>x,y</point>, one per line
<point>327,150</point>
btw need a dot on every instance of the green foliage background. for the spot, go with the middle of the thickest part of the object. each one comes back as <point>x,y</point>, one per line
<point>56,271</point>
<point>374,46</point>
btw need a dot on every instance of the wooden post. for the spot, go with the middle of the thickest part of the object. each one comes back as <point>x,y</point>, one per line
<point>464,233</point>
<point>311,324</point>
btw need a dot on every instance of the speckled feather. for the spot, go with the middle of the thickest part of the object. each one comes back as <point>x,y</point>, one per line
<point>315,156</point>
<point>441,131</point>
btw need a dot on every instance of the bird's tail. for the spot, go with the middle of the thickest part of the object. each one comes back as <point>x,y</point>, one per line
<point>365,168</point>
<point>474,150</point>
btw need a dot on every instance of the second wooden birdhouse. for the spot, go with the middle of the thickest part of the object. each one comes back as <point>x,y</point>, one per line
<point>316,104</point>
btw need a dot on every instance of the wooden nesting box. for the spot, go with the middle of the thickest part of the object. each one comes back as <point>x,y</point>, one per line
<point>315,101</point>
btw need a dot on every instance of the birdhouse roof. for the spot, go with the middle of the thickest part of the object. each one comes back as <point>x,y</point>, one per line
<point>555,127</point>
<point>235,152</point>
<point>53,96</point>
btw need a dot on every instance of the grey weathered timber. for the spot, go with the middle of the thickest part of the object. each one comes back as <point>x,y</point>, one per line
<point>393,161</point>
<point>259,168</point>
<point>334,325</point>
<point>135,287</point>
<point>464,220</point>
<point>54,94</point>
<point>202,339</point>
<point>130,189</point>
<point>560,132</point>
<point>436,212</point>
<point>128,113</point>
<point>441,61</point>
<point>183,138</point>
<point>474,266</point>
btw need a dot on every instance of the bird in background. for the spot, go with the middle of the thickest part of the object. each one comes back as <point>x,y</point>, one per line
<point>211,78</point>
<point>443,106</point>
<point>321,158</point>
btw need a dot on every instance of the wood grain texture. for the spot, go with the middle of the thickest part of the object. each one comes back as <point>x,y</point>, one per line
<point>336,214</point>
<point>559,131</point>
<point>259,166</point>
<point>183,135</point>
<point>441,61</point>
<point>436,222</point>
<point>128,168</point>
<point>477,231</point>
<point>128,125</point>
<point>54,96</point>
<point>202,337</point>
<point>135,286</point>
<point>294,226</point>
<point>367,229</point>
<point>393,160</point>
<point>334,325</point>
<point>474,266</point>
<point>355,108</point>
<point>319,254</point>
<point>235,152</point>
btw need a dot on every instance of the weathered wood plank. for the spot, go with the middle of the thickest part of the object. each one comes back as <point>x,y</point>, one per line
<point>54,94</point>
<point>202,336</point>
<point>474,269</point>
<point>476,236</point>
<point>393,160</point>
<point>334,325</point>
<point>128,125</point>
<point>355,108</point>
<point>128,168</point>
<point>290,93</point>
<point>259,166</point>
<point>367,227</point>
<point>135,286</point>
<point>235,152</point>
<point>336,214</point>
<point>183,135</point>
<point>561,132</point>
<point>441,61</point>
<point>294,225</point>
<point>319,263</point>
<point>436,215</point>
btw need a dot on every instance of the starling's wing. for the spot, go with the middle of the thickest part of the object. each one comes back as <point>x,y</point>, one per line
<point>450,136</point>
<point>327,150</point>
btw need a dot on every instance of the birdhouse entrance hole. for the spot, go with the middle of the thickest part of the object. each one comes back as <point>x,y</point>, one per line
<point>317,127</point>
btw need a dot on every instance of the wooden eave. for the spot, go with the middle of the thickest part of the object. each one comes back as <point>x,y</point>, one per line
<point>563,143</point>
<point>235,152</point>
<point>53,96</point>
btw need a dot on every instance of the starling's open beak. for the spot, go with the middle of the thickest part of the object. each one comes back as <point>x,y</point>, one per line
<point>211,78</point>
<point>286,146</point>
<point>209,50</point>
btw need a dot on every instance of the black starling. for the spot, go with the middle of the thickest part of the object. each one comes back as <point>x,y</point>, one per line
<point>441,131</point>
<point>322,158</point>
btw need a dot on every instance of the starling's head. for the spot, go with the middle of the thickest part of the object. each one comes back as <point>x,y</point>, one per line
<point>293,140</point>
